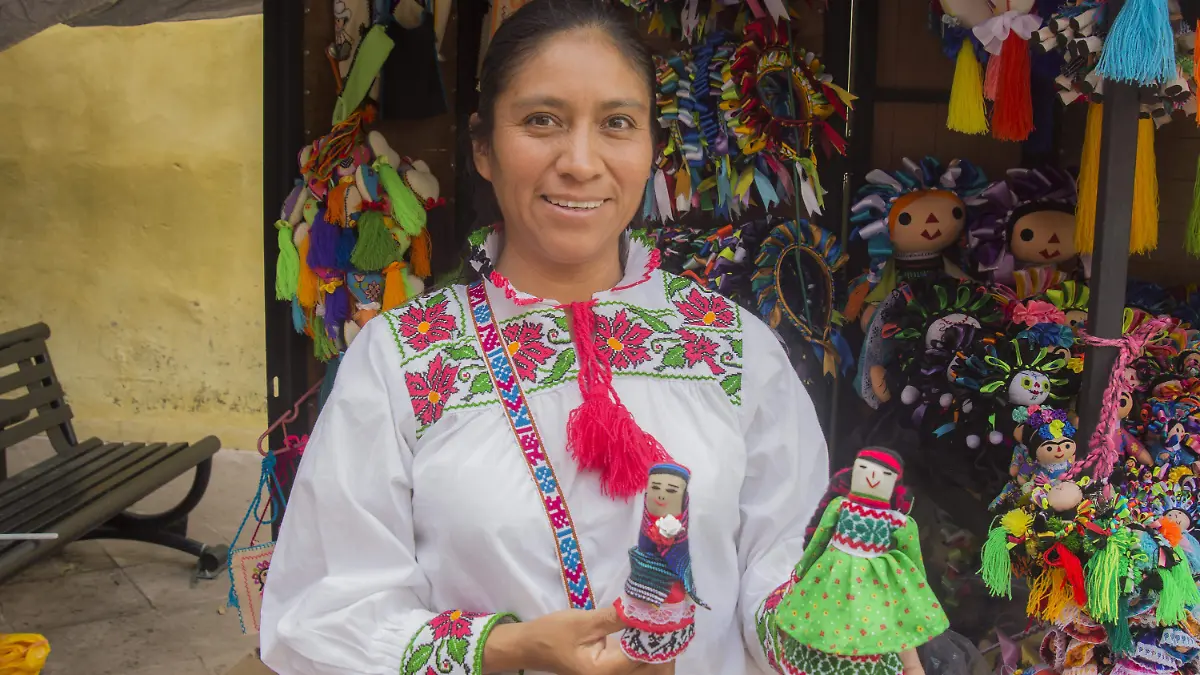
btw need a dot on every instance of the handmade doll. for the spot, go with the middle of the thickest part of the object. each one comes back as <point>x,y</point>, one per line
<point>1129,444</point>
<point>658,606</point>
<point>1023,231</point>
<point>910,218</point>
<point>1167,426</point>
<point>859,602</point>
<point>1053,443</point>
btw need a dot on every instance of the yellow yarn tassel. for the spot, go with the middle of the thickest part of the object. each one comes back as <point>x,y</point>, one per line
<point>1039,593</point>
<point>967,114</point>
<point>395,293</point>
<point>306,289</point>
<point>1089,179</point>
<point>1143,235</point>
<point>419,254</point>
<point>1060,595</point>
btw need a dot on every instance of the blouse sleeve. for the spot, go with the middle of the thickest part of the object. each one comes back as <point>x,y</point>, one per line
<point>787,471</point>
<point>346,594</point>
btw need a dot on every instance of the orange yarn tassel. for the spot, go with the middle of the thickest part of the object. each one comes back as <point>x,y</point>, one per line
<point>419,254</point>
<point>335,203</point>
<point>1012,118</point>
<point>394,291</point>
<point>306,290</point>
<point>1170,531</point>
<point>991,78</point>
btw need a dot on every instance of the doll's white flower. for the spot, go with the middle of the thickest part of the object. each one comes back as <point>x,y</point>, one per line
<point>669,526</point>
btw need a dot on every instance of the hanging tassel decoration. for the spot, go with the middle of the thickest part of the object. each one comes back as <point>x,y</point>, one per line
<point>395,291</point>
<point>1140,45</point>
<point>991,81</point>
<point>335,203</point>
<point>996,570</point>
<point>299,320</point>
<point>323,242</point>
<point>1120,637</point>
<point>306,287</point>
<point>419,253</point>
<point>1012,117</point>
<point>1178,590</point>
<point>376,247</point>
<point>1143,235</point>
<point>324,348</point>
<point>1104,572</point>
<point>287,265</point>
<point>967,113</point>
<point>347,240</point>
<point>406,208</point>
<point>1089,180</point>
<point>1191,242</point>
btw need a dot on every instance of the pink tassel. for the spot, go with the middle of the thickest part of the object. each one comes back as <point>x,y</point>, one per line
<point>991,80</point>
<point>602,435</point>
<point>1106,439</point>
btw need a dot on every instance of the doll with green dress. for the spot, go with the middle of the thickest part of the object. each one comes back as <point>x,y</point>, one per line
<point>858,602</point>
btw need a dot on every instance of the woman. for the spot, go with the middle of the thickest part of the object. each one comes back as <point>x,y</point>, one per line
<point>437,524</point>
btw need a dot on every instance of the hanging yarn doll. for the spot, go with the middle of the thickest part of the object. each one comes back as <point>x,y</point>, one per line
<point>658,606</point>
<point>859,601</point>
<point>781,101</point>
<point>1007,83</point>
<point>954,21</point>
<point>794,281</point>
<point>1022,231</point>
<point>909,218</point>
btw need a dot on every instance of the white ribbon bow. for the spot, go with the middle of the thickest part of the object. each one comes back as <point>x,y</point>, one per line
<point>995,30</point>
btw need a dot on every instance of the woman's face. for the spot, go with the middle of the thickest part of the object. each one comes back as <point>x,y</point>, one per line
<point>571,149</point>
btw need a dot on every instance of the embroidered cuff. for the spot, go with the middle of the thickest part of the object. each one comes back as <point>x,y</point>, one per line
<point>764,620</point>
<point>646,647</point>
<point>451,643</point>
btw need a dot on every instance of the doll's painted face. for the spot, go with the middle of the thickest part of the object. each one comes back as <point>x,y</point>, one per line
<point>1179,518</point>
<point>938,329</point>
<point>926,221</point>
<point>664,496</point>
<point>1044,237</point>
<point>1125,404</point>
<point>872,480</point>
<point>1056,452</point>
<point>1190,364</point>
<point>1076,318</point>
<point>1029,388</point>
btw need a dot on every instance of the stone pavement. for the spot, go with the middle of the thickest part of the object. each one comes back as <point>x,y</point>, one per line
<point>128,608</point>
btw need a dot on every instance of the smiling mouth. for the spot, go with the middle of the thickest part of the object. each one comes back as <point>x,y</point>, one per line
<point>874,484</point>
<point>575,205</point>
<point>1049,254</point>
<point>660,502</point>
<point>931,237</point>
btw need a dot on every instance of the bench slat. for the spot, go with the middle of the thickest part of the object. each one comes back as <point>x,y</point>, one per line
<point>38,331</point>
<point>36,398</point>
<point>29,480</point>
<point>25,377</point>
<point>34,426</point>
<point>60,484</point>
<point>22,351</point>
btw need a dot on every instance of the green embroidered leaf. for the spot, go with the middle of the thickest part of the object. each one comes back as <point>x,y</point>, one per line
<point>561,322</point>
<point>419,658</point>
<point>677,284</point>
<point>463,352</point>
<point>732,384</point>
<point>482,383</point>
<point>737,347</point>
<point>562,365</point>
<point>458,650</point>
<point>656,324</point>
<point>440,297</point>
<point>674,358</point>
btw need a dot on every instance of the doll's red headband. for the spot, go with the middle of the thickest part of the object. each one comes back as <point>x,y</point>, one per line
<point>883,458</point>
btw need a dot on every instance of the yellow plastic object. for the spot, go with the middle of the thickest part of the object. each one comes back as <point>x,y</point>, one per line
<point>23,653</point>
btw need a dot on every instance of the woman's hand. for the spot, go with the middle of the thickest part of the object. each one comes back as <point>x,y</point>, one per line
<point>570,642</point>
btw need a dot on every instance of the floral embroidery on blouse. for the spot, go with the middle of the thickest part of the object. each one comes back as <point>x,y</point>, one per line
<point>691,334</point>
<point>451,643</point>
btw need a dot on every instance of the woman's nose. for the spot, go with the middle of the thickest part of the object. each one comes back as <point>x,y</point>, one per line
<point>579,158</point>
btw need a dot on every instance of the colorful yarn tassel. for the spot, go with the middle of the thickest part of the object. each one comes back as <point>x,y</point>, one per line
<point>323,242</point>
<point>1089,179</point>
<point>347,240</point>
<point>407,209</point>
<point>419,254</point>
<point>324,348</point>
<point>395,290</point>
<point>335,203</point>
<point>306,287</point>
<point>1191,243</point>
<point>287,265</point>
<point>1012,117</point>
<point>375,248</point>
<point>996,571</point>
<point>299,320</point>
<point>967,113</point>
<point>1143,237</point>
<point>1140,46</point>
<point>337,304</point>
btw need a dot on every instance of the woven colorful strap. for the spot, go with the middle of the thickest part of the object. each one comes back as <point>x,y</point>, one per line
<point>520,419</point>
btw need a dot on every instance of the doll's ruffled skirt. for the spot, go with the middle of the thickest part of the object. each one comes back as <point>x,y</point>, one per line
<point>798,659</point>
<point>656,634</point>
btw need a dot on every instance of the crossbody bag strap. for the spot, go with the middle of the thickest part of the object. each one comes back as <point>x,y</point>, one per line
<point>520,420</point>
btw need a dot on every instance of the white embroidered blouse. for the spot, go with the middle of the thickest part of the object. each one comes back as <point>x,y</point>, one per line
<point>414,524</point>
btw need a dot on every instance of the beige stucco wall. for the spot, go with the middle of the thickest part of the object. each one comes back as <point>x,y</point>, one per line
<point>130,222</point>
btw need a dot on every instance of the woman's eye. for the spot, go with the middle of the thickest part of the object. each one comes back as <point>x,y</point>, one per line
<point>540,120</point>
<point>619,123</point>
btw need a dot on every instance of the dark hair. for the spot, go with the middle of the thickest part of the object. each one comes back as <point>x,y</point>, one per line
<point>521,34</point>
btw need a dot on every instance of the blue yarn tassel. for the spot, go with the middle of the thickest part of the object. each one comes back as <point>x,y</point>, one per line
<point>298,318</point>
<point>1140,47</point>
<point>345,247</point>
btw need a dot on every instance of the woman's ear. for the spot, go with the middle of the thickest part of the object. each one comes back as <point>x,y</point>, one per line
<point>479,149</point>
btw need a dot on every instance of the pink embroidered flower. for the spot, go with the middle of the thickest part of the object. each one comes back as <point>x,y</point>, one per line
<point>1037,311</point>
<point>621,340</point>
<point>451,624</point>
<point>697,348</point>
<point>527,349</point>
<point>430,391</point>
<point>706,310</point>
<point>423,326</point>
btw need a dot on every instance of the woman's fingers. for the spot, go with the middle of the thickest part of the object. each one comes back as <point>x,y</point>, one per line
<point>605,621</point>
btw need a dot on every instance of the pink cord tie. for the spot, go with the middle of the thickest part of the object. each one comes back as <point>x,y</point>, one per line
<point>602,435</point>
